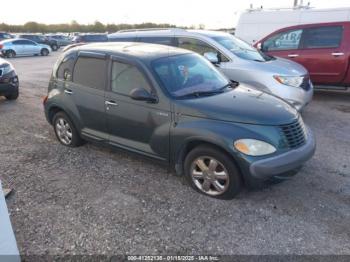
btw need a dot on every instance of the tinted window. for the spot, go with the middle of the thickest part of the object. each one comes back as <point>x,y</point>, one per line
<point>22,42</point>
<point>157,40</point>
<point>95,38</point>
<point>187,74</point>
<point>65,69</point>
<point>283,41</point>
<point>127,77</point>
<point>323,37</point>
<point>90,72</point>
<point>199,47</point>
<point>124,39</point>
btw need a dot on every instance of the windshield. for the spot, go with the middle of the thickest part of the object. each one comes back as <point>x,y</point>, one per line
<point>188,74</point>
<point>241,48</point>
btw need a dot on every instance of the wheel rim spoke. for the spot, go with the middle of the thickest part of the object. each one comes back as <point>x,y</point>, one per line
<point>216,184</point>
<point>206,185</point>
<point>213,165</point>
<point>202,166</point>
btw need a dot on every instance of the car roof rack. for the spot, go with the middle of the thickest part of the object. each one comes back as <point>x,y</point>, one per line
<point>152,29</point>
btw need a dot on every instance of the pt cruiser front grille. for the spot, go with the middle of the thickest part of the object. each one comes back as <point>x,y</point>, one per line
<point>294,133</point>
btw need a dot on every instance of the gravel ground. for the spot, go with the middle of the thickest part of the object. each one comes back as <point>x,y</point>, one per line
<point>92,200</point>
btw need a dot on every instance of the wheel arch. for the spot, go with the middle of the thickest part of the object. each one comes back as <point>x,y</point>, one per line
<point>193,143</point>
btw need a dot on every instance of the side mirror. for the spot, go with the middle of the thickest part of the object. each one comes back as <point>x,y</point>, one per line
<point>259,46</point>
<point>212,57</point>
<point>141,94</point>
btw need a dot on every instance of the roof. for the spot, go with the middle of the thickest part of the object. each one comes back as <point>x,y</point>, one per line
<point>164,32</point>
<point>140,51</point>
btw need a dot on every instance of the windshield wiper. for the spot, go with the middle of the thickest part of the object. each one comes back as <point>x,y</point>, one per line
<point>201,93</point>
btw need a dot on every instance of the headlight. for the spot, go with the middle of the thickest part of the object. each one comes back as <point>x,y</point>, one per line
<point>294,81</point>
<point>7,68</point>
<point>254,147</point>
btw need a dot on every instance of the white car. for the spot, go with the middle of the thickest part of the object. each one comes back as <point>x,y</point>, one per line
<point>23,47</point>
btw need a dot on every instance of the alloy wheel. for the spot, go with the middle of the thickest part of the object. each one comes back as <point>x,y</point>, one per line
<point>64,131</point>
<point>209,175</point>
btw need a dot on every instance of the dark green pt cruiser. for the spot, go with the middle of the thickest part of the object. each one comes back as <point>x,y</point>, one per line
<point>173,105</point>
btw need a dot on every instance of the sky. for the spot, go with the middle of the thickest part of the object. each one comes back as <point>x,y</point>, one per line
<point>213,14</point>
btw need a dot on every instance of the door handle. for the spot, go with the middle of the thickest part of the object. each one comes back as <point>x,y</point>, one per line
<point>68,92</point>
<point>293,55</point>
<point>111,103</point>
<point>337,54</point>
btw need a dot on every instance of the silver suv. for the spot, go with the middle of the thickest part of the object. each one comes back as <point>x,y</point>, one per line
<point>239,61</point>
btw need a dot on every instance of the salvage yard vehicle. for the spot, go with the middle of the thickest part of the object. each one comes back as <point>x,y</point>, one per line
<point>173,105</point>
<point>239,61</point>
<point>9,83</point>
<point>22,47</point>
<point>41,39</point>
<point>321,48</point>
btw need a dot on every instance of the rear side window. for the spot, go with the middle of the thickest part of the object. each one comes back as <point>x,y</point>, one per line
<point>65,68</point>
<point>157,40</point>
<point>90,72</point>
<point>288,40</point>
<point>126,77</point>
<point>124,39</point>
<point>323,37</point>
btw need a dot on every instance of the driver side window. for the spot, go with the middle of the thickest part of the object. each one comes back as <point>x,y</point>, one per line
<point>199,47</point>
<point>126,77</point>
<point>289,40</point>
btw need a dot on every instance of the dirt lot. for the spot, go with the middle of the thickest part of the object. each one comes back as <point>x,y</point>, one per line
<point>94,200</point>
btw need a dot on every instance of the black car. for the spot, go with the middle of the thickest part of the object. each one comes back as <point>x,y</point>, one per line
<point>42,40</point>
<point>8,80</point>
<point>90,38</point>
<point>5,36</point>
<point>173,105</point>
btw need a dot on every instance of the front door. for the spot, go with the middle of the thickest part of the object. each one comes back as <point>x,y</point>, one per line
<point>136,125</point>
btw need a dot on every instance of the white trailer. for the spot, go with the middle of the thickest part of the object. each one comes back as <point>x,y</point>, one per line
<point>255,24</point>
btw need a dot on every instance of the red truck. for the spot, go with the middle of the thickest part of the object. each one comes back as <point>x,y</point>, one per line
<point>323,49</point>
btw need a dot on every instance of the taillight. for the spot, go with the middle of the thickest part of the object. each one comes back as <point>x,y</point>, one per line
<point>45,99</point>
<point>1,46</point>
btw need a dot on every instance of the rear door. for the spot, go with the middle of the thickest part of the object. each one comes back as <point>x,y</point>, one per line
<point>18,46</point>
<point>87,89</point>
<point>324,54</point>
<point>136,125</point>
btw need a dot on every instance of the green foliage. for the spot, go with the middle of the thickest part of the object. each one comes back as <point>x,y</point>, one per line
<point>74,26</point>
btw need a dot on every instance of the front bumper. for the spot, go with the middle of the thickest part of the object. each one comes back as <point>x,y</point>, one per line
<point>280,164</point>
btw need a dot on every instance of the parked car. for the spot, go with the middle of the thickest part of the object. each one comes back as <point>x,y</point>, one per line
<point>61,39</point>
<point>254,24</point>
<point>90,38</point>
<point>23,47</point>
<point>4,36</point>
<point>9,83</point>
<point>175,106</point>
<point>239,61</point>
<point>322,49</point>
<point>40,39</point>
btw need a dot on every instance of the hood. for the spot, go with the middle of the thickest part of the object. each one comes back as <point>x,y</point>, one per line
<point>241,105</point>
<point>281,66</point>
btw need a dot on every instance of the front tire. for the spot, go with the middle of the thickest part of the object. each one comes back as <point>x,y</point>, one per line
<point>65,130</point>
<point>10,54</point>
<point>212,172</point>
<point>44,52</point>
<point>13,96</point>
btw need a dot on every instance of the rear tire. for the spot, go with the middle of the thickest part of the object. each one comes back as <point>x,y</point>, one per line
<point>212,172</point>
<point>44,52</point>
<point>54,47</point>
<point>65,131</point>
<point>10,54</point>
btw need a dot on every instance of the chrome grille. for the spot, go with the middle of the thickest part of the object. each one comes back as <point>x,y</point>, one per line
<point>294,133</point>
